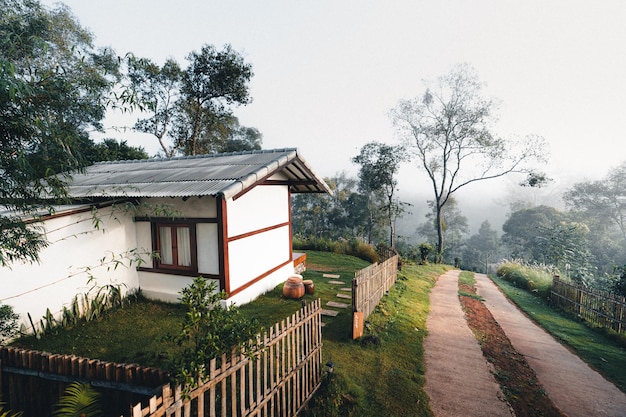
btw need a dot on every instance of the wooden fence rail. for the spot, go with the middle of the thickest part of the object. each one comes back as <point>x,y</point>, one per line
<point>276,379</point>
<point>597,307</point>
<point>368,287</point>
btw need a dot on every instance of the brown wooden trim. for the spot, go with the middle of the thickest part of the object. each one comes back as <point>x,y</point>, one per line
<point>222,243</point>
<point>156,236</point>
<point>259,231</point>
<point>290,225</point>
<point>257,279</point>
<point>176,219</point>
<point>89,207</point>
<point>181,273</point>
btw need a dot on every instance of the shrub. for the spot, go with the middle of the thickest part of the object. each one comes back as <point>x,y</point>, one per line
<point>534,278</point>
<point>353,247</point>
<point>8,322</point>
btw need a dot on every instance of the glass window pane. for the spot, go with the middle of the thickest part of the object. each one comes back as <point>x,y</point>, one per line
<point>184,246</point>
<point>165,239</point>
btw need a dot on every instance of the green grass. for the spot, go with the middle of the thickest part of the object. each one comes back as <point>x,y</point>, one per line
<point>130,334</point>
<point>382,377</point>
<point>600,352</point>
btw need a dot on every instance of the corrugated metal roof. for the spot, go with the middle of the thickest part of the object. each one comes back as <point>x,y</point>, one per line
<point>225,174</point>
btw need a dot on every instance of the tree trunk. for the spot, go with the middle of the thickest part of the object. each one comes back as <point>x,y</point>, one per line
<point>439,233</point>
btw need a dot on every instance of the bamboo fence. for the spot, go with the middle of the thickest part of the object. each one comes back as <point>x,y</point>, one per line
<point>276,379</point>
<point>597,307</point>
<point>371,284</point>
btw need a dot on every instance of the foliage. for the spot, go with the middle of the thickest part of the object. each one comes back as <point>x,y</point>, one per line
<point>8,322</point>
<point>453,227</point>
<point>619,286</point>
<point>379,165</point>
<point>449,130</point>
<point>189,110</point>
<point>351,247</point>
<point>603,199</point>
<point>481,249</point>
<point>54,88</point>
<point>347,214</point>
<point>210,330</point>
<point>4,413</point>
<point>534,278</point>
<point>425,251</point>
<point>78,400</point>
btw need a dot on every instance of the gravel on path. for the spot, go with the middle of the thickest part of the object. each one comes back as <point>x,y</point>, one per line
<point>572,385</point>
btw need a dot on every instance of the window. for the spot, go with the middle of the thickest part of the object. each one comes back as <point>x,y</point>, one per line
<point>176,245</point>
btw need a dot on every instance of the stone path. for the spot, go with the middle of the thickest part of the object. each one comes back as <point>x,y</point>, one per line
<point>458,378</point>
<point>334,304</point>
<point>573,386</point>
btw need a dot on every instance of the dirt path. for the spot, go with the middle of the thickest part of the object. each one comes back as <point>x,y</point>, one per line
<point>574,387</point>
<point>458,378</point>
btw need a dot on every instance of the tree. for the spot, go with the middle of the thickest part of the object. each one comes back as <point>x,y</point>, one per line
<point>190,110</point>
<point>54,88</point>
<point>450,130</point>
<point>453,227</point>
<point>482,248</point>
<point>379,166</point>
<point>604,199</point>
<point>523,227</point>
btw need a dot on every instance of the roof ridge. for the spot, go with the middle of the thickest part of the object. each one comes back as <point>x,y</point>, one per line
<point>202,156</point>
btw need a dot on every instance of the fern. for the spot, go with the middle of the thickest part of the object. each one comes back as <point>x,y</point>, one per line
<point>4,413</point>
<point>78,400</point>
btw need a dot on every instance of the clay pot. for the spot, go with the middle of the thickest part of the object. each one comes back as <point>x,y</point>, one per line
<point>309,287</point>
<point>293,287</point>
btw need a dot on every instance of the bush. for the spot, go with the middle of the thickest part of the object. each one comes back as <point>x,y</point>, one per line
<point>534,278</point>
<point>8,322</point>
<point>353,247</point>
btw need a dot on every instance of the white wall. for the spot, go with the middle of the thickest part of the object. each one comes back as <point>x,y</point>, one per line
<point>257,254</point>
<point>77,252</point>
<point>263,206</point>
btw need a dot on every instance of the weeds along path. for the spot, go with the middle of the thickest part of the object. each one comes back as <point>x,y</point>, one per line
<point>458,378</point>
<point>572,385</point>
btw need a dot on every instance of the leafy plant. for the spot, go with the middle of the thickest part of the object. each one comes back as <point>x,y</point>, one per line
<point>8,322</point>
<point>210,329</point>
<point>8,413</point>
<point>79,400</point>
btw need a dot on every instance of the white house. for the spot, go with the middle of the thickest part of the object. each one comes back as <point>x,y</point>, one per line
<point>156,224</point>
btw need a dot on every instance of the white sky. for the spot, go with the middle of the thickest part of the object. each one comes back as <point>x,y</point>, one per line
<point>327,72</point>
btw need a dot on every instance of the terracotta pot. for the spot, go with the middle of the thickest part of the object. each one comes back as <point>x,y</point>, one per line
<point>309,287</point>
<point>293,288</point>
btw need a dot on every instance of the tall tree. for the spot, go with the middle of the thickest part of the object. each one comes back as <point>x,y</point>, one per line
<point>189,110</point>
<point>449,127</point>
<point>54,88</point>
<point>482,248</point>
<point>453,227</point>
<point>604,199</point>
<point>379,165</point>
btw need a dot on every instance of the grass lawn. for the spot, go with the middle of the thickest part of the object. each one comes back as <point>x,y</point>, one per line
<point>383,374</point>
<point>601,352</point>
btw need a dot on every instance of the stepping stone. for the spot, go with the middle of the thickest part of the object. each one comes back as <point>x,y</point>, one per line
<point>346,296</point>
<point>336,282</point>
<point>331,276</point>
<point>345,289</point>
<point>336,304</point>
<point>332,313</point>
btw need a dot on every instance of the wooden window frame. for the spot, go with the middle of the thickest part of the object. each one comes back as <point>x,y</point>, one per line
<point>193,246</point>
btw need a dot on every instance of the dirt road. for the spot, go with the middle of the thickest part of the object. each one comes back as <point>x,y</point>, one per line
<point>572,385</point>
<point>459,380</point>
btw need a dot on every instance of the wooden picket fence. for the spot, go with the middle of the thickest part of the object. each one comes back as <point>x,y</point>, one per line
<point>276,379</point>
<point>597,307</point>
<point>371,284</point>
